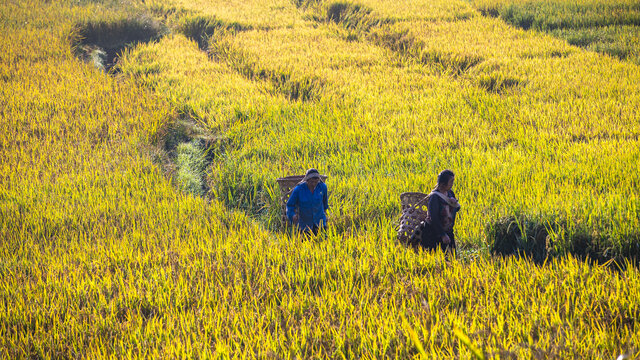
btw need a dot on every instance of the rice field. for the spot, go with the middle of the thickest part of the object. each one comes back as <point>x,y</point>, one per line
<point>139,210</point>
<point>608,27</point>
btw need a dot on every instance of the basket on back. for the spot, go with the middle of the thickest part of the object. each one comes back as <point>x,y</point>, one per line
<point>286,186</point>
<point>414,211</point>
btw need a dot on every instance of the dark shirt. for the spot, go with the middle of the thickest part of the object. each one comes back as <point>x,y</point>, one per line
<point>439,210</point>
<point>312,207</point>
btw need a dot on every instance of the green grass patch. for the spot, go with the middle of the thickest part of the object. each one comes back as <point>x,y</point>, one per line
<point>606,27</point>
<point>562,14</point>
<point>622,42</point>
<point>191,166</point>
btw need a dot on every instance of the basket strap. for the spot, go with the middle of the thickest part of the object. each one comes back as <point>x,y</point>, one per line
<point>445,198</point>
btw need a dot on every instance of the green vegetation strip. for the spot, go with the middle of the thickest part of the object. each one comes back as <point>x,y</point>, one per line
<point>609,27</point>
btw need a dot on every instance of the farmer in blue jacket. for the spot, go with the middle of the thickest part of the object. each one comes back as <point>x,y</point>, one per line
<point>311,199</point>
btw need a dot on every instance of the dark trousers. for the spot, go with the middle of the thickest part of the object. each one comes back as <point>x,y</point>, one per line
<point>430,240</point>
<point>311,230</point>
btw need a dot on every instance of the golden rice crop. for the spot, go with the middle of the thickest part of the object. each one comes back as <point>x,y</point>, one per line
<point>434,118</point>
<point>102,256</point>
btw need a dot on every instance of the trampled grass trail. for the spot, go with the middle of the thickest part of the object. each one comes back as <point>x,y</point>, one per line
<point>102,255</point>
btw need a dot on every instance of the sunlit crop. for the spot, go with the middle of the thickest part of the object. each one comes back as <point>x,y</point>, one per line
<point>139,212</point>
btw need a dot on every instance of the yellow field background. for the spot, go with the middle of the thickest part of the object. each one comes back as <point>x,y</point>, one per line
<point>139,213</point>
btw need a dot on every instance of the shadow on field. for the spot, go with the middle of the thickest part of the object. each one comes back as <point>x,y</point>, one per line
<point>528,236</point>
<point>102,42</point>
<point>201,28</point>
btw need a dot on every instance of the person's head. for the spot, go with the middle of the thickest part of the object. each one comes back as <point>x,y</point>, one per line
<point>445,180</point>
<point>312,177</point>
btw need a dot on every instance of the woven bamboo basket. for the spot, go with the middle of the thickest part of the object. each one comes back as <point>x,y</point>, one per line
<point>414,212</point>
<point>286,186</point>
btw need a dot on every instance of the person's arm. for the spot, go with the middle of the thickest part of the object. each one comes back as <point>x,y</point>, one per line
<point>291,204</point>
<point>434,213</point>
<point>454,209</point>
<point>325,198</point>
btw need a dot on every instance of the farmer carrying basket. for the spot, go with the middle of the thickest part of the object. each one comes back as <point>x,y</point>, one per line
<point>305,201</point>
<point>427,219</point>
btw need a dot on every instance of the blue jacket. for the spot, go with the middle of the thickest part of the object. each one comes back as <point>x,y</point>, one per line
<point>312,207</point>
